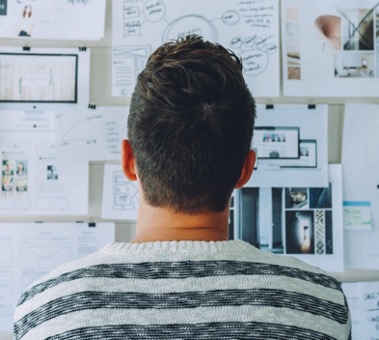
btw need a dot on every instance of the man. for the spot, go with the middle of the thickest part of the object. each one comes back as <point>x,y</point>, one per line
<point>190,127</point>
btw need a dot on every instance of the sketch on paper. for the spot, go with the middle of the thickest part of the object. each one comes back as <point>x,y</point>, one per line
<point>90,134</point>
<point>44,258</point>
<point>124,192</point>
<point>249,29</point>
<point>120,196</point>
<point>29,251</point>
<point>74,133</point>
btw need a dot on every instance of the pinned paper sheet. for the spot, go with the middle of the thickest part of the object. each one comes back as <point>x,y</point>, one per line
<point>29,251</point>
<point>249,28</point>
<point>291,145</point>
<point>363,301</point>
<point>330,48</point>
<point>49,19</point>
<point>33,180</point>
<point>360,160</point>
<point>357,215</point>
<point>90,134</point>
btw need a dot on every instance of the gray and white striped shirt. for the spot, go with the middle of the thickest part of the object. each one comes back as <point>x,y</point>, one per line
<point>184,290</point>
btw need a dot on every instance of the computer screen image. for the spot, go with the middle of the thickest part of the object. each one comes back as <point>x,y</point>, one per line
<point>277,142</point>
<point>308,156</point>
<point>38,77</point>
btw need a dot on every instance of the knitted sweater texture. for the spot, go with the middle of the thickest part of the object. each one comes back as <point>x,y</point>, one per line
<point>184,290</point>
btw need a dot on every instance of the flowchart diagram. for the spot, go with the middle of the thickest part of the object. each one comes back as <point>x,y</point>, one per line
<point>249,28</point>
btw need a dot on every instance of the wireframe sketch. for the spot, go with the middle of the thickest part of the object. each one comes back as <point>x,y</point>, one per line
<point>125,193</point>
<point>128,62</point>
<point>6,257</point>
<point>250,29</point>
<point>6,287</point>
<point>44,257</point>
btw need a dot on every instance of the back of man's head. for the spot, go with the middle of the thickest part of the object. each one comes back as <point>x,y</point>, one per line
<point>190,125</point>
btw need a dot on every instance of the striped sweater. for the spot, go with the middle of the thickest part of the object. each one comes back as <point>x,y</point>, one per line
<point>184,290</point>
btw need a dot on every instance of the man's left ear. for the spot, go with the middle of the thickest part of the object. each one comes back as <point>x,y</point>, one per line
<point>127,160</point>
<point>247,169</point>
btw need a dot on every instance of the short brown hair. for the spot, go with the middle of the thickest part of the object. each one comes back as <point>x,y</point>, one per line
<point>190,125</point>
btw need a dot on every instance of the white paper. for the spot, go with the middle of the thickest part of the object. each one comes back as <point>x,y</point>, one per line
<point>91,135</point>
<point>58,19</point>
<point>304,222</point>
<point>33,181</point>
<point>44,77</point>
<point>120,196</point>
<point>249,28</point>
<point>360,160</point>
<point>363,301</point>
<point>278,137</point>
<point>29,251</point>
<point>330,48</point>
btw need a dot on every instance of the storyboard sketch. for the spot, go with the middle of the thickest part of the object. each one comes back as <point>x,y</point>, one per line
<point>330,48</point>
<point>363,301</point>
<point>47,76</point>
<point>304,222</point>
<point>29,251</point>
<point>46,19</point>
<point>120,196</point>
<point>91,134</point>
<point>360,160</point>
<point>249,28</point>
<point>33,181</point>
<point>291,146</point>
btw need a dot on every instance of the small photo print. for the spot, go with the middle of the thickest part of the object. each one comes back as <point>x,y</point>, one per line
<point>7,183</point>
<point>52,172</point>
<point>320,197</point>
<point>21,179</point>
<point>21,168</point>
<point>358,29</point>
<point>299,232</point>
<point>296,198</point>
<point>354,65</point>
<point>7,167</point>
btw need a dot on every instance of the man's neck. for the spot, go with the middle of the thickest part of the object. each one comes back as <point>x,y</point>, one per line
<point>163,224</point>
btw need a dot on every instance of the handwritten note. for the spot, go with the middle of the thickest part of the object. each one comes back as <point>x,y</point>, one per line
<point>357,215</point>
<point>248,27</point>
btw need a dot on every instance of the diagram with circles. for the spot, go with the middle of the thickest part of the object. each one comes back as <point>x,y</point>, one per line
<point>249,28</point>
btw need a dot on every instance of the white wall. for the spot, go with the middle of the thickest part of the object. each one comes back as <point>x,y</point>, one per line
<point>100,94</point>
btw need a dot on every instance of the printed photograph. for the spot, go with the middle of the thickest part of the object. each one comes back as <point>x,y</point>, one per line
<point>21,178</point>
<point>354,65</point>
<point>358,29</point>
<point>296,198</point>
<point>299,232</point>
<point>52,172</point>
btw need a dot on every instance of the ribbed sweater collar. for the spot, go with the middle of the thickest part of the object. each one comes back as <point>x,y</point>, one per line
<point>175,246</point>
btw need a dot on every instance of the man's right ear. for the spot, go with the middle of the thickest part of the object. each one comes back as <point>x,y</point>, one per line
<point>127,161</point>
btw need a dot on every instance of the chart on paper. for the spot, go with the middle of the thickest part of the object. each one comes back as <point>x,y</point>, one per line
<point>249,28</point>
